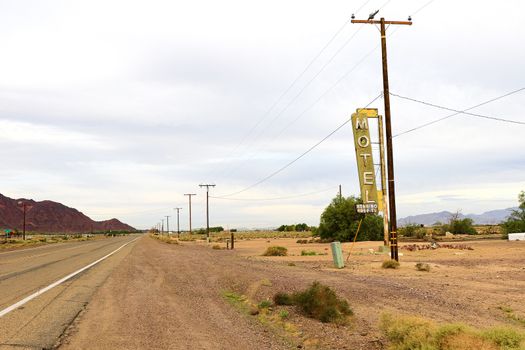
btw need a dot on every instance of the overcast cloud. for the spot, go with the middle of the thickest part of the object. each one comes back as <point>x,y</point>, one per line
<point>118,108</point>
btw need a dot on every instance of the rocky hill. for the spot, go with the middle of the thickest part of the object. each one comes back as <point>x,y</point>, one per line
<point>49,216</point>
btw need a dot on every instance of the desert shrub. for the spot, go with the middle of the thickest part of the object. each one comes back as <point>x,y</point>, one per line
<point>284,314</point>
<point>504,337</point>
<point>276,251</point>
<point>308,252</point>
<point>216,246</point>
<point>321,302</point>
<point>282,298</point>
<point>516,221</point>
<point>408,333</point>
<point>264,304</point>
<point>422,267</point>
<point>302,241</point>
<point>413,230</point>
<point>390,264</point>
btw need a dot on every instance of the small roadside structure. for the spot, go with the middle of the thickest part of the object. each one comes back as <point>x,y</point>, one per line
<point>517,236</point>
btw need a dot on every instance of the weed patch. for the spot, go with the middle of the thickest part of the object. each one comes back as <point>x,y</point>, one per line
<point>407,333</point>
<point>319,302</point>
<point>276,251</point>
<point>308,252</point>
<point>390,264</point>
<point>422,267</point>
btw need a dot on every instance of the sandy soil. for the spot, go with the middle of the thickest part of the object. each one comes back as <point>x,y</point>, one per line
<point>169,296</point>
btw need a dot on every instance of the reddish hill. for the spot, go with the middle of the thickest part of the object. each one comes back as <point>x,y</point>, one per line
<point>49,216</point>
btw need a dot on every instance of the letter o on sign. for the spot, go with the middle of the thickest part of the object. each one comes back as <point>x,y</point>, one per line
<point>363,141</point>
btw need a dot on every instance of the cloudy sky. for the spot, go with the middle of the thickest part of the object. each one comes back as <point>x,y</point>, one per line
<point>118,108</point>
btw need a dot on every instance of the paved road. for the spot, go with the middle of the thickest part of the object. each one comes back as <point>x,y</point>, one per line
<point>165,296</point>
<point>38,323</point>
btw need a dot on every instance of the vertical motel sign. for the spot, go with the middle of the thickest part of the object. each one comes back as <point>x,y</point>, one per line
<point>365,163</point>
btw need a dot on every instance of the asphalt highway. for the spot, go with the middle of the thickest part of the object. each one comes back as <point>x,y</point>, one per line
<point>38,323</point>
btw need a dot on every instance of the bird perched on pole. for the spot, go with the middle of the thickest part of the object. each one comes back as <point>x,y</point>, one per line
<point>372,15</point>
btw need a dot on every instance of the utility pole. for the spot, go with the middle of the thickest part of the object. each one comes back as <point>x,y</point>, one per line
<point>394,252</point>
<point>189,197</point>
<point>162,228</point>
<point>340,193</point>
<point>178,227</point>
<point>24,206</point>
<point>168,224</point>
<point>207,210</point>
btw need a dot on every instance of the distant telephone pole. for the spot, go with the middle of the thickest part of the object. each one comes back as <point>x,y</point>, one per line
<point>24,206</point>
<point>394,251</point>
<point>189,198</point>
<point>168,224</point>
<point>178,227</point>
<point>162,227</point>
<point>207,210</point>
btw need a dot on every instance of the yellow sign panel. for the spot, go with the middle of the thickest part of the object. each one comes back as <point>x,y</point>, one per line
<point>363,151</point>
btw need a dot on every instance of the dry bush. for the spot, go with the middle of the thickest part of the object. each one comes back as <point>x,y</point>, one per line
<point>317,301</point>
<point>276,251</point>
<point>390,264</point>
<point>422,267</point>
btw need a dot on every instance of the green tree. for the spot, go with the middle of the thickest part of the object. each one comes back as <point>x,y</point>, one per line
<point>340,221</point>
<point>459,226</point>
<point>516,221</point>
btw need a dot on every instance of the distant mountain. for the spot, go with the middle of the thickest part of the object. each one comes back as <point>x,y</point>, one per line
<point>488,218</point>
<point>49,216</point>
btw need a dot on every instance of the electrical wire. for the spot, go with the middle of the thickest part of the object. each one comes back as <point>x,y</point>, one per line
<point>276,198</point>
<point>296,96</point>
<point>296,159</point>
<point>456,112</point>
<point>287,90</point>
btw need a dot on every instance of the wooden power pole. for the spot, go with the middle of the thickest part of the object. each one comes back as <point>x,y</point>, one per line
<point>189,197</point>
<point>394,250</point>
<point>207,210</point>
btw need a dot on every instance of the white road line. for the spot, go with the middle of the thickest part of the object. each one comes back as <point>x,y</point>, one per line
<point>60,281</point>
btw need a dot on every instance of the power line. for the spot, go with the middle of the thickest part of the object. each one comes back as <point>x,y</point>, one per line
<point>276,198</point>
<point>310,63</point>
<point>462,112</point>
<point>456,112</point>
<point>285,108</point>
<point>296,159</point>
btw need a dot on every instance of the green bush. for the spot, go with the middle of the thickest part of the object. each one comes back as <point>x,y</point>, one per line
<point>340,220</point>
<point>282,298</point>
<point>276,251</point>
<point>308,252</point>
<point>264,304</point>
<point>516,221</point>
<point>321,302</point>
<point>412,230</point>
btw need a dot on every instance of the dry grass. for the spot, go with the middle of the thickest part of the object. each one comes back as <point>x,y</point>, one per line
<point>165,239</point>
<point>36,240</point>
<point>407,333</point>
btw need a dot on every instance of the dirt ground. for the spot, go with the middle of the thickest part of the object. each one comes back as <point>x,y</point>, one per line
<point>172,296</point>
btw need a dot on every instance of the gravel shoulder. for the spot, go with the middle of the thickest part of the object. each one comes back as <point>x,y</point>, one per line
<point>166,296</point>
